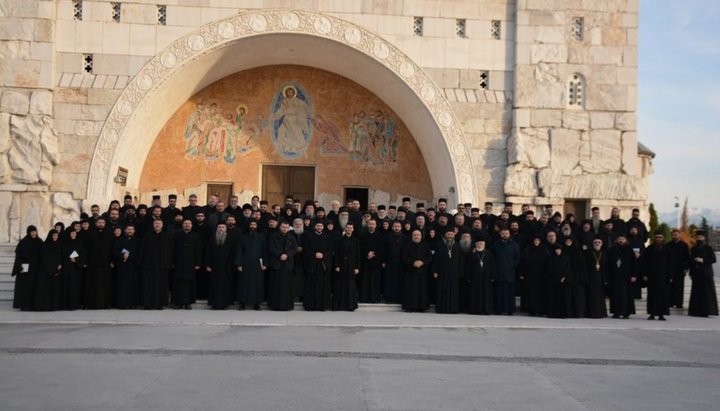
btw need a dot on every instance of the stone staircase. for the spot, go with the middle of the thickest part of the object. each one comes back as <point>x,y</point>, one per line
<point>7,283</point>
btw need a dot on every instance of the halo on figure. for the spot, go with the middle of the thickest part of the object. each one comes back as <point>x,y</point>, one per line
<point>241,107</point>
<point>287,88</point>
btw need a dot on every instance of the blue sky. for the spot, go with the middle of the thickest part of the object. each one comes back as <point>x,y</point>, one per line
<point>679,99</point>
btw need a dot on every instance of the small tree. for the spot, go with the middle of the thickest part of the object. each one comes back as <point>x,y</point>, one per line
<point>705,226</point>
<point>664,229</point>
<point>653,219</point>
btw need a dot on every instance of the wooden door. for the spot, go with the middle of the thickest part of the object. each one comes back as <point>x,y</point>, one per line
<point>222,190</point>
<point>278,181</point>
<point>576,207</point>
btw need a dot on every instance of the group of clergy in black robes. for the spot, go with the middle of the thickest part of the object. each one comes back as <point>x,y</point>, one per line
<point>468,262</point>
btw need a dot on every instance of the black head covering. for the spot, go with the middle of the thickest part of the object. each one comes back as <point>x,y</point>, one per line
<point>31,228</point>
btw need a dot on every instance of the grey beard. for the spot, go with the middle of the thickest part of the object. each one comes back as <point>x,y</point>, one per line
<point>449,243</point>
<point>465,245</point>
<point>596,248</point>
<point>220,238</point>
<point>342,221</point>
<point>567,233</point>
<point>299,231</point>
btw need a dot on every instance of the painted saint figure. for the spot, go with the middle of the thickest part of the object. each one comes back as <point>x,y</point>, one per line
<point>292,122</point>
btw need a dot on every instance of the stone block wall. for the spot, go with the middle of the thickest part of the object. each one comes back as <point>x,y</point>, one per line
<point>574,135</point>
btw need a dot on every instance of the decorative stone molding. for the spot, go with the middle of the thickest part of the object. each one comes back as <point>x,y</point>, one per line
<point>262,22</point>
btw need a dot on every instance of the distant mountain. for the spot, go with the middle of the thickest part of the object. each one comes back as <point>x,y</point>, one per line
<point>695,215</point>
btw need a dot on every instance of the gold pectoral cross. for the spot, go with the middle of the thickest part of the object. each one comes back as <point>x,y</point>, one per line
<point>597,266</point>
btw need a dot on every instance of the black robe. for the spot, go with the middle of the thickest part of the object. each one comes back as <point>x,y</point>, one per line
<point>316,296</point>
<point>28,251</point>
<point>559,297</point>
<point>392,290</point>
<point>480,273</point>
<point>655,267</point>
<point>597,270</point>
<point>449,264</point>
<point>580,280</point>
<point>703,298</point>
<point>299,269</point>
<point>49,286</point>
<point>679,263</point>
<point>73,271</point>
<point>622,266</point>
<point>280,293</point>
<point>156,258</point>
<point>371,271</point>
<point>127,272</point>
<point>346,261</point>
<point>250,254</point>
<point>187,255</point>
<point>416,292</point>
<point>98,290</point>
<point>219,259</point>
<point>533,269</point>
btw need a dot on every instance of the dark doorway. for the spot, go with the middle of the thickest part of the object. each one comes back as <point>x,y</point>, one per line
<point>279,181</point>
<point>577,207</point>
<point>222,190</point>
<point>358,193</point>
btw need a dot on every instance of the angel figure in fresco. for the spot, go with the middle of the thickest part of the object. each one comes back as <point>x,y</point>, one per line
<point>194,129</point>
<point>330,140</point>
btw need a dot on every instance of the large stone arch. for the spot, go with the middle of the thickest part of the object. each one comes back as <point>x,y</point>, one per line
<point>258,38</point>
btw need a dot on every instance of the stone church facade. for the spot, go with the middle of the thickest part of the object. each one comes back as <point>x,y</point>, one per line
<point>522,101</point>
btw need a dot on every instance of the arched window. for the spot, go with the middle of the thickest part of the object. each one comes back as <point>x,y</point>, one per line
<point>576,91</point>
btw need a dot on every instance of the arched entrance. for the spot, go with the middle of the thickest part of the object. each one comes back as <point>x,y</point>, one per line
<point>267,37</point>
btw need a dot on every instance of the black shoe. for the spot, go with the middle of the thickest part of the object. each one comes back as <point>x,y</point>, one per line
<point>615,316</point>
<point>625,317</point>
<point>188,307</point>
<point>662,318</point>
<point>652,317</point>
<point>257,307</point>
<point>241,307</point>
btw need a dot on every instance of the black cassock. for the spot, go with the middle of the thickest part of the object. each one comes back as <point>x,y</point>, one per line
<point>316,296</point>
<point>597,269</point>
<point>187,254</point>
<point>346,261</point>
<point>371,269</point>
<point>49,287</point>
<point>480,272</point>
<point>559,296</point>
<point>73,272</point>
<point>27,252</point>
<point>416,292</point>
<point>448,263</point>
<point>580,280</point>
<point>127,272</point>
<point>299,269</point>
<point>98,281</point>
<point>251,252</point>
<point>679,262</point>
<point>703,298</point>
<point>281,290</point>
<point>533,268</point>
<point>621,268</point>
<point>392,290</point>
<point>655,265</point>
<point>219,259</point>
<point>155,262</point>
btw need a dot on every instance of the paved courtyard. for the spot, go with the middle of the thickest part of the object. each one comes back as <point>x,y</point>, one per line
<point>370,360</point>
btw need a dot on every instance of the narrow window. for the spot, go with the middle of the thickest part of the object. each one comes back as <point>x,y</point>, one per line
<point>77,10</point>
<point>484,80</point>
<point>495,30</point>
<point>116,12</point>
<point>577,28</point>
<point>418,26</point>
<point>88,63</point>
<point>576,91</point>
<point>162,14</point>
<point>460,28</point>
